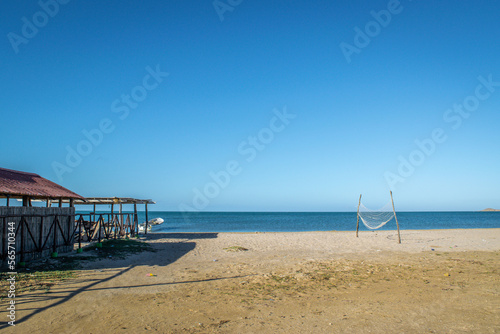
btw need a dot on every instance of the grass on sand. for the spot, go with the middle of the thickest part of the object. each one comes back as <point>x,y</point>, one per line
<point>43,274</point>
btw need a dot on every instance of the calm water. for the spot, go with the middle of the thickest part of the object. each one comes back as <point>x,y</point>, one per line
<point>313,221</point>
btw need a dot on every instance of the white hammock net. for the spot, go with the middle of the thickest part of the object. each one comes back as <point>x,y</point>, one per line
<point>374,219</point>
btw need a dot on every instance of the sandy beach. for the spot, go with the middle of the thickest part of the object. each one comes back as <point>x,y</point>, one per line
<point>435,281</point>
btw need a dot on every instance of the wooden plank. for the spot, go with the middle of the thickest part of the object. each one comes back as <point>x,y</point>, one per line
<point>40,235</point>
<point>96,230</point>
<point>136,226</point>
<point>5,239</point>
<point>54,245</point>
<point>61,230</point>
<point>80,220</point>
<point>147,220</point>
<point>30,234</point>
<point>101,221</point>
<point>22,239</point>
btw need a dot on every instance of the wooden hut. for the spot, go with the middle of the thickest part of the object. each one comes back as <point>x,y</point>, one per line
<point>34,231</point>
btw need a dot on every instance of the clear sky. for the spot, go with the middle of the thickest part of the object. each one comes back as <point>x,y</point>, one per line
<point>256,105</point>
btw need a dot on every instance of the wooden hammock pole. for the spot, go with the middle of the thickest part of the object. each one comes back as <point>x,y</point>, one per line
<point>392,200</point>
<point>357,220</point>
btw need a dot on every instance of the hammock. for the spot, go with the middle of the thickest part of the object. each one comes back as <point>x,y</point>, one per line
<point>374,219</point>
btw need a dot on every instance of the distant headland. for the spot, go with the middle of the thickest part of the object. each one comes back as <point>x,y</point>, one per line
<point>490,209</point>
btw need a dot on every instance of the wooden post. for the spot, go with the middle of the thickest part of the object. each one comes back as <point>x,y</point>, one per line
<point>5,239</point>
<point>54,246</point>
<point>394,210</point>
<point>60,202</point>
<point>71,234</point>
<point>136,227</point>
<point>22,238</point>
<point>26,201</point>
<point>8,200</point>
<point>113,219</point>
<point>357,216</point>
<point>121,218</point>
<point>129,225</point>
<point>99,222</point>
<point>147,220</point>
<point>40,237</point>
<point>80,232</point>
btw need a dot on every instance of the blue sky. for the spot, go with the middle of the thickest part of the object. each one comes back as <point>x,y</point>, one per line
<point>256,105</point>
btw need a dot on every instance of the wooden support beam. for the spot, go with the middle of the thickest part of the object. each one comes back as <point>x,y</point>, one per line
<point>357,216</point>
<point>54,244</point>
<point>99,224</point>
<point>399,235</point>
<point>22,238</point>
<point>147,220</point>
<point>122,231</point>
<point>120,211</point>
<point>80,220</point>
<point>40,236</point>
<point>136,225</point>
<point>5,239</point>
<point>113,219</point>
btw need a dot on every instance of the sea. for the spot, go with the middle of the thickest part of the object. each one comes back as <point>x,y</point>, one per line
<point>312,221</point>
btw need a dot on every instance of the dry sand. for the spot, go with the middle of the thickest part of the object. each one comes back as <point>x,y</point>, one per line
<point>437,281</point>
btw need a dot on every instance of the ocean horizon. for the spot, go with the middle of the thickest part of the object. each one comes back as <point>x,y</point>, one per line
<point>175,222</point>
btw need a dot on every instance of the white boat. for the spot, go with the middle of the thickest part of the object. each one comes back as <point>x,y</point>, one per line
<point>142,227</point>
<point>156,221</point>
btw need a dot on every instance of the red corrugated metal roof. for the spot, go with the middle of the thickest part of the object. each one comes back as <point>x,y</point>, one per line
<point>15,183</point>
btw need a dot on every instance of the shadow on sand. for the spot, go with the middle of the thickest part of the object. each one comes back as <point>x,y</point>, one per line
<point>172,245</point>
<point>176,235</point>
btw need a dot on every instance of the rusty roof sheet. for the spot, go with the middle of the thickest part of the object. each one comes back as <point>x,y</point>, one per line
<point>15,183</point>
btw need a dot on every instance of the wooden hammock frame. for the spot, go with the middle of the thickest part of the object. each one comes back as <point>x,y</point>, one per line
<point>393,209</point>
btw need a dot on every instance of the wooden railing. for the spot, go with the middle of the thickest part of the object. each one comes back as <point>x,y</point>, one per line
<point>107,226</point>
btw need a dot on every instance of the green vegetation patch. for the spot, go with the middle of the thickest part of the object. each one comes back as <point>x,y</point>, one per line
<point>28,281</point>
<point>118,248</point>
<point>236,249</point>
<point>43,274</point>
